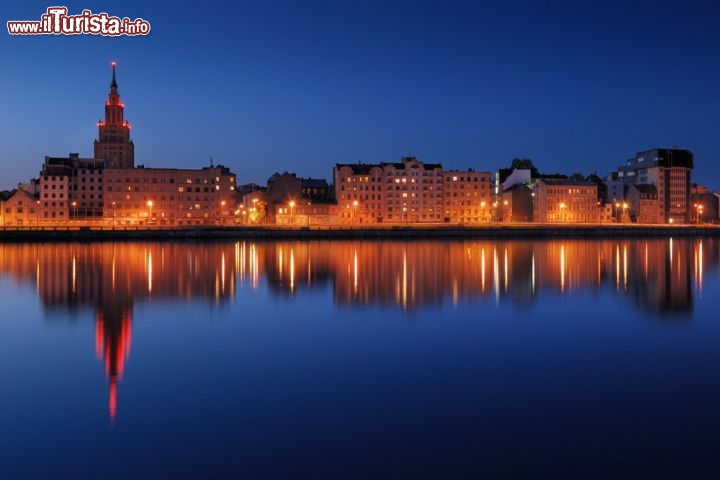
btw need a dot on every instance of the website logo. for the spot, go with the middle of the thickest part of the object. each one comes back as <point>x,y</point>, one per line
<point>56,21</point>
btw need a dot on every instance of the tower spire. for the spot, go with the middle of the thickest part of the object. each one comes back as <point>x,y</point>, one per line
<point>113,143</point>
<point>113,85</point>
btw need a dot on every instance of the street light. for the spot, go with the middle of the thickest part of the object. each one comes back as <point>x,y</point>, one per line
<point>74,205</point>
<point>355,205</point>
<point>113,220</point>
<point>625,207</point>
<point>292,211</point>
<point>482,211</point>
<point>562,210</point>
<point>222,208</point>
<point>150,205</point>
<point>698,212</point>
<point>37,215</point>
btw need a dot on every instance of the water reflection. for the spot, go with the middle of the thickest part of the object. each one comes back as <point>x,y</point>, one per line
<point>657,275</point>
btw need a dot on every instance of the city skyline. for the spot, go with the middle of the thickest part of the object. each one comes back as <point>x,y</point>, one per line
<point>307,87</point>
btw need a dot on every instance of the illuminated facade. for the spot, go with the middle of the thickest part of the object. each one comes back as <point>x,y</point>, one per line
<point>566,201</point>
<point>467,197</point>
<point>408,191</point>
<point>20,209</point>
<point>169,196</point>
<point>113,143</point>
<point>359,190</point>
<point>413,191</point>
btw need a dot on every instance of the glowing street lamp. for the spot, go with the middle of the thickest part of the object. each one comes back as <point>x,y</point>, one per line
<point>150,205</point>
<point>74,205</point>
<point>292,211</point>
<point>222,209</point>
<point>355,205</point>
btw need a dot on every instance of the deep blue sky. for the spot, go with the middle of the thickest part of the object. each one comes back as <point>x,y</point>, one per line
<point>272,86</point>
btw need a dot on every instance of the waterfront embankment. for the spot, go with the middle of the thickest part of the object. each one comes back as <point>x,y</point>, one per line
<point>419,232</point>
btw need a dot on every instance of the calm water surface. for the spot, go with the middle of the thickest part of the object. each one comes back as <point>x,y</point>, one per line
<point>468,359</point>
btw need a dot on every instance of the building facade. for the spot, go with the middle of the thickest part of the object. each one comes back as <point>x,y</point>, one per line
<point>413,191</point>
<point>467,197</point>
<point>170,196</point>
<point>565,201</point>
<point>409,191</point>
<point>669,171</point>
<point>20,209</point>
<point>359,191</point>
<point>643,205</point>
<point>517,203</point>
<point>71,188</point>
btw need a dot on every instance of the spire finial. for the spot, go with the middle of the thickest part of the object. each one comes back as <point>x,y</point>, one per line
<point>114,83</point>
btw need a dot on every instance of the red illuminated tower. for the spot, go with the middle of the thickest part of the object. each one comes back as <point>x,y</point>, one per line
<point>112,343</point>
<point>114,144</point>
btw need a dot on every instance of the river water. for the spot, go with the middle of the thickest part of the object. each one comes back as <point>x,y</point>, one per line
<point>361,359</point>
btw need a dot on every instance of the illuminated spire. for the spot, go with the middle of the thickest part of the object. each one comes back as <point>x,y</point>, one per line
<point>113,143</point>
<point>113,85</point>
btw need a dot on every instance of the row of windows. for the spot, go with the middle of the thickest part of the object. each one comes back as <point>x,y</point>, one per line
<point>591,199</point>
<point>461,186</point>
<point>154,179</point>
<point>570,191</point>
<point>353,179</point>
<point>172,198</point>
<point>19,210</point>
<point>61,195</point>
<point>571,207</point>
<point>404,216</point>
<point>469,179</point>
<point>139,206</point>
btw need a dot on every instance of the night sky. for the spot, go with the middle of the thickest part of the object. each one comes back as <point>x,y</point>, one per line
<point>274,86</point>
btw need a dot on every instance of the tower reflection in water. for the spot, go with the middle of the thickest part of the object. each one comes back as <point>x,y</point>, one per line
<point>110,278</point>
<point>658,275</point>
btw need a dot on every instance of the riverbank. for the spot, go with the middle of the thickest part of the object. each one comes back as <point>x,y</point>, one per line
<point>61,234</point>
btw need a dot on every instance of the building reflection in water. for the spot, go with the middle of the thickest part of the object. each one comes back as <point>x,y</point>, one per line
<point>109,279</point>
<point>658,275</point>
